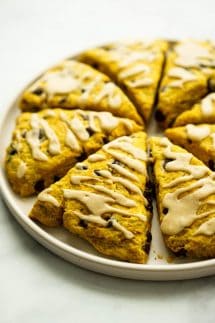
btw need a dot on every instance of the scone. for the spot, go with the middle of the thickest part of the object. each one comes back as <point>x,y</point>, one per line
<point>106,200</point>
<point>197,139</point>
<point>185,191</point>
<point>201,112</point>
<point>45,145</point>
<point>72,85</point>
<point>188,76</point>
<point>135,66</point>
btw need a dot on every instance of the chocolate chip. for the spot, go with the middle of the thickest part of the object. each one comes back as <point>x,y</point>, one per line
<point>85,117</point>
<point>95,65</point>
<point>165,210</point>
<point>23,134</point>
<point>149,192</point>
<point>105,140</point>
<point>39,186</point>
<point>82,157</point>
<point>117,162</point>
<point>81,166</point>
<point>56,178</point>
<point>189,141</point>
<point>211,164</point>
<point>181,253</point>
<point>62,100</point>
<point>42,135</point>
<point>109,224</point>
<point>38,91</point>
<point>149,207</point>
<point>146,247</point>
<point>97,172</point>
<point>211,85</point>
<point>83,224</point>
<point>83,90</point>
<point>90,131</point>
<point>12,150</point>
<point>159,116</point>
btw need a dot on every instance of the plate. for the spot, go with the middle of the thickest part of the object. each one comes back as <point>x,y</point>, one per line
<point>161,264</point>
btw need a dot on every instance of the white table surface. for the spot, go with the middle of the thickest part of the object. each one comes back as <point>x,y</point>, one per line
<point>35,285</point>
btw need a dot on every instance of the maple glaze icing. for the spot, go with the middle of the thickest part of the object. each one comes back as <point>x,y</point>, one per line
<point>184,203</point>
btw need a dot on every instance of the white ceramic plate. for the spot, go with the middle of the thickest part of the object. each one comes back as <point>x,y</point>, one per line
<point>79,252</point>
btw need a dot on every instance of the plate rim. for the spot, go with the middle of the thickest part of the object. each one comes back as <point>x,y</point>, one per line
<point>47,240</point>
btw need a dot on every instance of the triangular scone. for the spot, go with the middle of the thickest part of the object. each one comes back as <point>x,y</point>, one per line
<point>135,66</point>
<point>197,139</point>
<point>106,200</point>
<point>72,85</point>
<point>45,145</point>
<point>185,191</point>
<point>189,67</point>
<point>201,112</point>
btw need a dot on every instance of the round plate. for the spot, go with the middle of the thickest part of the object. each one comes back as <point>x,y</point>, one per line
<point>161,264</point>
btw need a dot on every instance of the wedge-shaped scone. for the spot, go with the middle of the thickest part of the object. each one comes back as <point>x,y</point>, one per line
<point>135,66</point>
<point>185,190</point>
<point>197,139</point>
<point>72,85</point>
<point>188,76</point>
<point>106,200</point>
<point>201,112</point>
<point>45,145</point>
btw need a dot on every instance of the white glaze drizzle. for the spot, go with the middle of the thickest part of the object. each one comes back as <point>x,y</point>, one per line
<point>182,75</point>
<point>21,170</point>
<point>134,70</point>
<point>44,196</point>
<point>130,162</point>
<point>140,82</point>
<point>197,133</point>
<point>118,197</point>
<point>131,63</point>
<point>124,172</point>
<point>126,183</point>
<point>185,203</point>
<point>71,141</point>
<point>97,219</point>
<point>125,144</point>
<point>207,105</point>
<point>114,99</point>
<point>49,113</point>
<point>181,162</point>
<point>32,138</point>
<point>91,218</point>
<point>183,209</point>
<point>207,228</point>
<point>71,78</point>
<point>98,204</point>
<point>62,81</point>
<point>96,157</point>
<point>192,54</point>
<point>128,234</point>
<point>77,179</point>
<point>77,126</point>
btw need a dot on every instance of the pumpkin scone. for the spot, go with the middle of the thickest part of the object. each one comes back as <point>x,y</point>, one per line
<point>106,200</point>
<point>188,76</point>
<point>72,85</point>
<point>201,112</point>
<point>185,191</point>
<point>197,139</point>
<point>135,66</point>
<point>46,144</point>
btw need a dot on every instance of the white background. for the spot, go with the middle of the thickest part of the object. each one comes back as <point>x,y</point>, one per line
<point>36,286</point>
